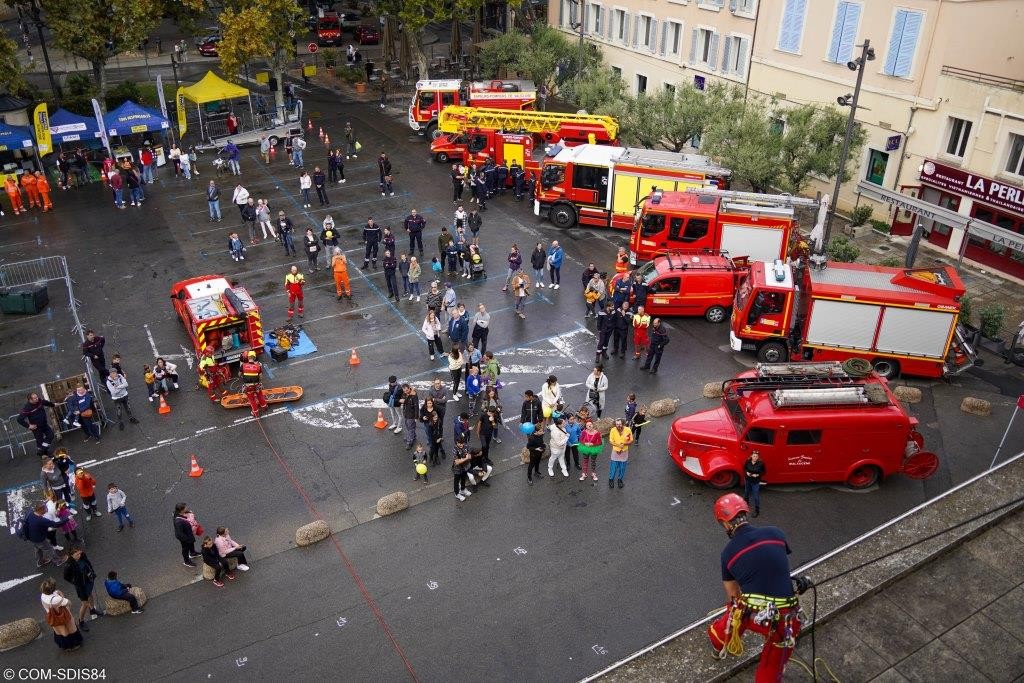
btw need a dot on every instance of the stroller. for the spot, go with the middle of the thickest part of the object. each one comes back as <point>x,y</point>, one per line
<point>476,267</point>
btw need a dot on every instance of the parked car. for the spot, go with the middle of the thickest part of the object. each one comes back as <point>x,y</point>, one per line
<point>207,34</point>
<point>350,20</point>
<point>209,48</point>
<point>367,35</point>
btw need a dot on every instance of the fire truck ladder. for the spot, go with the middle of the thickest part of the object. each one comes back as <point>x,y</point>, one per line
<point>757,199</point>
<point>456,119</point>
<point>792,376</point>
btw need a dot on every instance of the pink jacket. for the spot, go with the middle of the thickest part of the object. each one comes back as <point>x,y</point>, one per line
<point>225,544</point>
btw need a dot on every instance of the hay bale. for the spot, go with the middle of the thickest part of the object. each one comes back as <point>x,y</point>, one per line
<point>209,572</point>
<point>907,394</point>
<point>604,425</point>
<point>117,607</point>
<point>313,532</point>
<point>662,407</point>
<point>976,406</point>
<point>712,390</point>
<point>17,633</point>
<point>392,503</point>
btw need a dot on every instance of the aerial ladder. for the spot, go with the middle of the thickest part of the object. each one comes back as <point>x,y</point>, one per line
<point>549,126</point>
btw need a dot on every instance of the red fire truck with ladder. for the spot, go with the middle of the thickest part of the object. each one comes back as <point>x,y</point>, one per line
<point>758,226</point>
<point>434,95</point>
<point>809,422</point>
<point>899,319</point>
<point>602,186</point>
<point>219,314</point>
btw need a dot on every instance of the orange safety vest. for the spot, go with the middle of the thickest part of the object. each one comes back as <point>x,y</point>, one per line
<point>621,265</point>
<point>251,371</point>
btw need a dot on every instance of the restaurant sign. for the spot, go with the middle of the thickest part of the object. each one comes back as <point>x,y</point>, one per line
<point>997,193</point>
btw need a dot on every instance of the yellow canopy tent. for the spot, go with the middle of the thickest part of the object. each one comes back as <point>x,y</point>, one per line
<point>212,88</point>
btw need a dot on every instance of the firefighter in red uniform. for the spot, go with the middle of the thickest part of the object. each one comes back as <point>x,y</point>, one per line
<point>214,376</point>
<point>252,372</point>
<point>756,575</point>
<point>293,283</point>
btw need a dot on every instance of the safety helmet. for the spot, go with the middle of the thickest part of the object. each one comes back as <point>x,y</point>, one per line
<point>252,355</point>
<point>728,506</point>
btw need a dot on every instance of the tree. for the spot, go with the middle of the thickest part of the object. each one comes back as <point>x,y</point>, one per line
<point>11,77</point>
<point>811,143</point>
<point>748,143</point>
<point>602,92</point>
<point>96,30</point>
<point>259,29</point>
<point>546,56</point>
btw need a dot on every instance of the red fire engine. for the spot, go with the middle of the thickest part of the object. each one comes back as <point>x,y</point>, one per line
<point>758,226</point>
<point>328,29</point>
<point>218,314</point>
<point>809,422</point>
<point>434,95</point>
<point>901,320</point>
<point>602,186</point>
<point>480,145</point>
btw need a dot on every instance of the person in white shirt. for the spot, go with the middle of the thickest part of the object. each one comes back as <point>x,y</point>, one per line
<point>597,385</point>
<point>118,386</point>
<point>305,185</point>
<point>559,439</point>
<point>240,197</point>
<point>550,397</point>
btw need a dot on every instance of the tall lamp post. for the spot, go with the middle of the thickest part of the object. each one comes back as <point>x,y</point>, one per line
<point>579,24</point>
<point>867,54</point>
<point>38,21</point>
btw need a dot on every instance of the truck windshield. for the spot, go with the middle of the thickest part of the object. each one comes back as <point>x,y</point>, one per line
<point>552,175</point>
<point>647,272</point>
<point>331,24</point>
<point>742,294</point>
<point>736,413</point>
<point>425,99</point>
<point>652,224</point>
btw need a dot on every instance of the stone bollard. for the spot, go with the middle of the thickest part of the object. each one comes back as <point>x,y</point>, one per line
<point>976,406</point>
<point>662,407</point>
<point>907,394</point>
<point>313,532</point>
<point>712,390</point>
<point>117,607</point>
<point>604,425</point>
<point>209,572</point>
<point>17,633</point>
<point>392,503</point>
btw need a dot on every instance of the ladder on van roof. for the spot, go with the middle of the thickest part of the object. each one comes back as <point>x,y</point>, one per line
<point>756,198</point>
<point>792,376</point>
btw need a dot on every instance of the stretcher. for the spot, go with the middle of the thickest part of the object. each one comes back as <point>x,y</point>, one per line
<point>273,395</point>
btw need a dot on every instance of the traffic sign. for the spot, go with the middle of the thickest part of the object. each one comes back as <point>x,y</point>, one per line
<point>312,48</point>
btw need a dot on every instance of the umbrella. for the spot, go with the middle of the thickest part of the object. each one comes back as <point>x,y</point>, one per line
<point>455,47</point>
<point>388,39</point>
<point>404,53</point>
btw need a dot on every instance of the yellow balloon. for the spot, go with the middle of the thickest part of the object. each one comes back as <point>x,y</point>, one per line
<point>421,468</point>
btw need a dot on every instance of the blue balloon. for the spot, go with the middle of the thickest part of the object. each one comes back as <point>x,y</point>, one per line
<point>555,415</point>
<point>527,428</point>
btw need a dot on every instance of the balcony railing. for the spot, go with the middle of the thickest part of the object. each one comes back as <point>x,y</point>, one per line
<point>1014,84</point>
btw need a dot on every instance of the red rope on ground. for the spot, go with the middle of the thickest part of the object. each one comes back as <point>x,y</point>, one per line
<point>344,558</point>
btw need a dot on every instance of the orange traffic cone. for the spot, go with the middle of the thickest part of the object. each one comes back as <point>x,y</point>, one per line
<point>309,124</point>
<point>321,133</point>
<point>273,151</point>
<point>327,140</point>
<point>196,470</point>
<point>164,408</point>
<point>381,423</point>
<point>354,359</point>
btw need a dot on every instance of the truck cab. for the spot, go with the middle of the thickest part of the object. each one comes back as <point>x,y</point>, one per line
<point>763,310</point>
<point>688,283</point>
<point>809,422</point>
<point>475,146</point>
<point>328,29</point>
<point>218,314</point>
<point>433,95</point>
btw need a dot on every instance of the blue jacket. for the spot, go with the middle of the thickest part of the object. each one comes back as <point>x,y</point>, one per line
<point>556,255</point>
<point>473,385</point>
<point>573,429</point>
<point>621,293</point>
<point>232,150</point>
<point>36,527</point>
<point>79,404</point>
<point>461,429</point>
<point>458,328</point>
<point>115,588</point>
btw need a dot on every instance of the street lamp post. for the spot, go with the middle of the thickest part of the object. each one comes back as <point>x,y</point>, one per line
<point>579,25</point>
<point>37,20</point>
<point>867,54</point>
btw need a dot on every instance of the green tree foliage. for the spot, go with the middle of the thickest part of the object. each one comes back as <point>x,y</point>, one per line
<point>746,143</point>
<point>11,78</point>
<point>602,92</point>
<point>96,30</point>
<point>810,145</point>
<point>546,56</point>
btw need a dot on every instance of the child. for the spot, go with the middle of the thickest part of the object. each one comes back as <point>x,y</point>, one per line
<point>85,484</point>
<point>115,363</point>
<point>67,521</point>
<point>436,266</point>
<point>236,247</point>
<point>460,217</point>
<point>116,504</point>
<point>419,462</point>
<point>639,420</point>
<point>149,378</point>
<point>121,591</point>
<point>630,407</point>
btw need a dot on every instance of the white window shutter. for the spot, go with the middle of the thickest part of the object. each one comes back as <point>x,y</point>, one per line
<point>741,57</point>
<point>725,54</point>
<point>625,29</point>
<point>636,29</point>
<point>694,36</point>
<point>662,49</point>
<point>713,52</point>
<point>612,18</point>
<point>654,36</point>
<point>732,5</point>
<point>837,32</point>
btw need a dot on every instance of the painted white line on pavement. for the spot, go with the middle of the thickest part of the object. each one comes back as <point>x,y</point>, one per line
<point>34,348</point>
<point>86,463</point>
<point>7,585</point>
<point>334,414</point>
<point>204,430</point>
<point>127,451</point>
<point>161,443</point>
<point>152,342</point>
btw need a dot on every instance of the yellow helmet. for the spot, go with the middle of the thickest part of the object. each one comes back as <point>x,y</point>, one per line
<point>252,355</point>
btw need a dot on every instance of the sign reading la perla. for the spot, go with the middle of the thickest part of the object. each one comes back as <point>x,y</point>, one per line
<point>998,193</point>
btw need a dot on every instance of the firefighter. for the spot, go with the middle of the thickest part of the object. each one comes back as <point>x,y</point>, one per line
<point>212,375</point>
<point>252,372</point>
<point>14,194</point>
<point>293,283</point>
<point>43,185</point>
<point>28,181</point>
<point>759,590</point>
<point>622,261</point>
<point>371,240</point>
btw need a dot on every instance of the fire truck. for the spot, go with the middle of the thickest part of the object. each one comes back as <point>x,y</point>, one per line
<point>328,29</point>
<point>688,282</point>
<point>899,319</point>
<point>602,186</point>
<point>434,95</point>
<point>809,422</point>
<point>758,226</point>
<point>219,314</point>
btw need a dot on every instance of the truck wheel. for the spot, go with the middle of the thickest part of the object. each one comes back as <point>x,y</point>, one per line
<point>863,477</point>
<point>772,352</point>
<point>889,369</point>
<point>432,133</point>
<point>562,215</point>
<point>723,479</point>
<point>715,314</point>
<point>441,157</point>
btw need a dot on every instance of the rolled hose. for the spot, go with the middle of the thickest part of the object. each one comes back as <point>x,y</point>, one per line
<point>857,367</point>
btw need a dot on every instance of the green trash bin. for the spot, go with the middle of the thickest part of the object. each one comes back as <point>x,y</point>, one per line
<point>28,300</point>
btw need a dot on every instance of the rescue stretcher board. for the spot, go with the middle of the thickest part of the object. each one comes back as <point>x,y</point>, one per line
<point>273,395</point>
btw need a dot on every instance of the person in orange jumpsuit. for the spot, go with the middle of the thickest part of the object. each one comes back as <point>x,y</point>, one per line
<point>43,186</point>
<point>339,264</point>
<point>14,194</point>
<point>293,283</point>
<point>621,261</point>
<point>28,181</point>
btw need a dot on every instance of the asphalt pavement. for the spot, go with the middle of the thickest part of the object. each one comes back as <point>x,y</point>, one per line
<point>551,581</point>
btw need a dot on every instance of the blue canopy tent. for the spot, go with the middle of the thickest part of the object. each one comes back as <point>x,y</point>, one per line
<point>134,118</point>
<point>17,149</point>
<point>68,127</point>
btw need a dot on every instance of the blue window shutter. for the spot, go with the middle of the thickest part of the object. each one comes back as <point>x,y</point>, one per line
<point>844,32</point>
<point>894,41</point>
<point>837,32</point>
<point>792,27</point>
<point>625,29</point>
<point>908,43</point>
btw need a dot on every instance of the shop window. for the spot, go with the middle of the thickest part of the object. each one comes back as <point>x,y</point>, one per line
<point>877,163</point>
<point>1015,159</point>
<point>959,134</point>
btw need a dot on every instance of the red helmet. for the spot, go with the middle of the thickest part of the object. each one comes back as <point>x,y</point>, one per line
<point>728,506</point>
